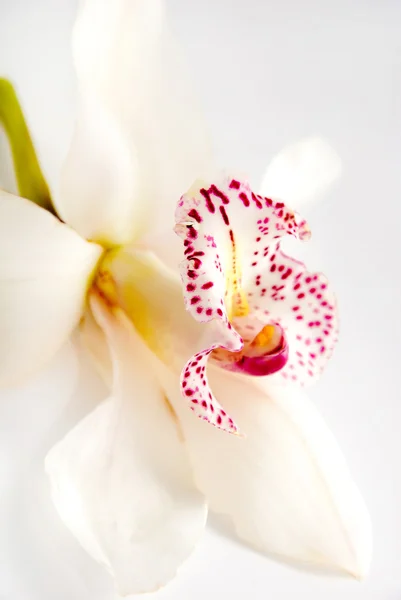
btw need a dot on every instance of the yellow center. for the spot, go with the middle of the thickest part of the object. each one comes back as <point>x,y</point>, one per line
<point>266,341</point>
<point>236,300</point>
<point>265,336</point>
<point>151,297</point>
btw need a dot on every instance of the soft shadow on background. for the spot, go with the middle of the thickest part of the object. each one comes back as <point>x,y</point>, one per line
<point>268,73</point>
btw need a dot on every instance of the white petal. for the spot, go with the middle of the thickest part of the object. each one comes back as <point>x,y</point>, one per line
<point>128,65</point>
<point>98,177</point>
<point>301,171</point>
<point>286,484</point>
<point>121,479</point>
<point>44,273</point>
<point>39,558</point>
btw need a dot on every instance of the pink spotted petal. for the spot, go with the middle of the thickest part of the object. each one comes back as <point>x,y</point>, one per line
<point>203,277</point>
<point>226,228</point>
<point>196,390</point>
<point>233,268</point>
<point>303,304</point>
<point>194,383</point>
<point>220,225</point>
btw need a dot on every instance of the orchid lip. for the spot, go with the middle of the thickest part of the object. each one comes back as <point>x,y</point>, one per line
<point>271,315</point>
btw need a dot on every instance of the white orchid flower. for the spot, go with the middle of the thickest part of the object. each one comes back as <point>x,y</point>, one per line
<point>133,480</point>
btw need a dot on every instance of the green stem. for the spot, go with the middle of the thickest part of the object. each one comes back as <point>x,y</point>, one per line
<point>31,182</point>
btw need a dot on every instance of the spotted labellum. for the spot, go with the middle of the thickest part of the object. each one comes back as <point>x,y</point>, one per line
<point>267,315</point>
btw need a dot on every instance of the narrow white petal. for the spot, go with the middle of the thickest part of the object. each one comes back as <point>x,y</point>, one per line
<point>286,484</point>
<point>150,143</point>
<point>44,273</point>
<point>99,177</point>
<point>121,479</point>
<point>301,171</point>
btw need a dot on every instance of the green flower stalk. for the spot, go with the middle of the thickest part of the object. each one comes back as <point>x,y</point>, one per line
<point>30,179</point>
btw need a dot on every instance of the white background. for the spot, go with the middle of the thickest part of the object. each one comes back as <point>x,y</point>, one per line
<point>268,73</point>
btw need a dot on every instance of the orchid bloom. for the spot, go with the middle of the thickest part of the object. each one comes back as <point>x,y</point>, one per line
<point>134,479</point>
